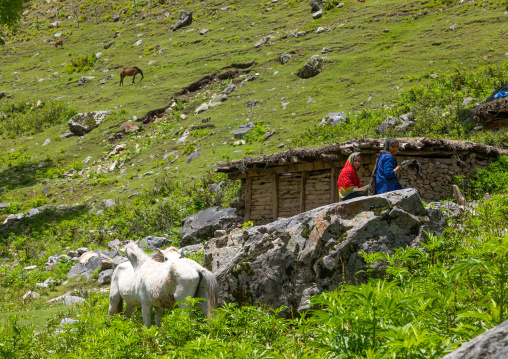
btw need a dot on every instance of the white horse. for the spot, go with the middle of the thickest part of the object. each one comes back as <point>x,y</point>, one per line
<point>148,284</point>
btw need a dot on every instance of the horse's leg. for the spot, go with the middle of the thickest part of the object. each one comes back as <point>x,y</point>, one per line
<point>115,299</point>
<point>133,78</point>
<point>146,310</point>
<point>158,315</point>
<point>128,310</point>
<point>121,80</point>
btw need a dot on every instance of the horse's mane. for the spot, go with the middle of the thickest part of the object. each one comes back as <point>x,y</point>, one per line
<point>159,257</point>
<point>138,252</point>
<point>137,68</point>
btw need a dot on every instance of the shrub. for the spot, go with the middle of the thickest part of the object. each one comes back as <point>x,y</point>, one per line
<point>80,64</point>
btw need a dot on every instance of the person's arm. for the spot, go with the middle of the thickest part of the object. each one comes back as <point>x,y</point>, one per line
<point>389,167</point>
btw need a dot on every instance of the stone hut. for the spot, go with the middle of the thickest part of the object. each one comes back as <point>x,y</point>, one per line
<point>291,182</point>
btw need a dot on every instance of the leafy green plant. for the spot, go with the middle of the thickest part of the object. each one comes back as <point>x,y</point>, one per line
<point>80,64</point>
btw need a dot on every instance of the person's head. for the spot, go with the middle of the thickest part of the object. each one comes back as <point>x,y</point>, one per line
<point>356,160</point>
<point>392,145</point>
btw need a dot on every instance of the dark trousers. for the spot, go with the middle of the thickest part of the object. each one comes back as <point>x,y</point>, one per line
<point>351,195</point>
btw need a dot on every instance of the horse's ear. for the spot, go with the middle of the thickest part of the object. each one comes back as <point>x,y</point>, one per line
<point>161,252</point>
<point>137,242</point>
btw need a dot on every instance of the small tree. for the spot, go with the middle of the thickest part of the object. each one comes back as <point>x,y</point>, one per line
<point>10,13</point>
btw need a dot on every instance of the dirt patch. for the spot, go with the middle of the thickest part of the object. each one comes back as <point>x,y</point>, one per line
<point>188,91</point>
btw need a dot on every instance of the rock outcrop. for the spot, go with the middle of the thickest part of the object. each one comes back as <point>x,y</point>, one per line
<point>493,344</point>
<point>286,262</point>
<point>202,225</point>
<point>85,122</point>
<point>312,68</point>
<point>185,19</point>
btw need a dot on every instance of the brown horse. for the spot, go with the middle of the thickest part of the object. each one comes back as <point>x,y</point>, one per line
<point>131,71</point>
<point>58,42</point>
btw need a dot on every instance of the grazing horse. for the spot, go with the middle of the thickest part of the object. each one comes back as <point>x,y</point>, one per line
<point>131,71</point>
<point>147,283</point>
<point>58,42</point>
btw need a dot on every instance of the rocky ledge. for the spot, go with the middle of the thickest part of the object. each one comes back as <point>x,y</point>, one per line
<point>286,262</point>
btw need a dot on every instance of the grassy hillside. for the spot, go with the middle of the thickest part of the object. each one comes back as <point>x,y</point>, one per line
<point>385,58</point>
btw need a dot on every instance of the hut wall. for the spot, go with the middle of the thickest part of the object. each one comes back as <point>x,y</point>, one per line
<point>435,184</point>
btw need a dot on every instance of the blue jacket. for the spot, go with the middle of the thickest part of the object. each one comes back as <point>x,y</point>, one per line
<point>386,179</point>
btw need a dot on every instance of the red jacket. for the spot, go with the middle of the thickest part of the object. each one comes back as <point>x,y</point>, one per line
<point>348,177</point>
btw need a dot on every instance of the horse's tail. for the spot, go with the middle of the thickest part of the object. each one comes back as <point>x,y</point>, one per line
<point>207,289</point>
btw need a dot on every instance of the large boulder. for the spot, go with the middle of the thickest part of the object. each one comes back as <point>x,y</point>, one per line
<point>316,5</point>
<point>286,262</point>
<point>201,226</point>
<point>493,344</point>
<point>185,19</point>
<point>153,242</point>
<point>85,122</point>
<point>334,119</point>
<point>313,67</point>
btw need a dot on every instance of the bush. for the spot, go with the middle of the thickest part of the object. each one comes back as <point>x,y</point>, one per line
<point>80,64</point>
<point>493,179</point>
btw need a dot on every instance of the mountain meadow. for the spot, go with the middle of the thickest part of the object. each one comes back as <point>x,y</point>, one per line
<point>229,84</point>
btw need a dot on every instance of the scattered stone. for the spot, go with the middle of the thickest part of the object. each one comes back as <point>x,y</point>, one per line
<point>149,173</point>
<point>29,268</point>
<point>117,33</point>
<point>139,42</point>
<point>183,116</point>
<point>313,67</point>
<point>33,212</point>
<point>67,299</point>
<point>82,250</point>
<point>116,150</point>
<point>325,50</point>
<point>105,276</point>
<point>263,41</point>
<point>203,32</point>
<point>467,100</point>
<point>251,103</point>
<point>58,34</point>
<point>284,58</point>
<point>339,5</point>
<point>129,127</point>
<point>452,28</point>
<point>202,108</point>
<point>107,203</point>
<point>285,262</point>
<point>86,160</point>
<point>185,19</point>
<point>4,205</point>
<point>108,45</point>
<point>450,209</point>
<point>31,295</point>
<point>13,217</point>
<point>192,249</point>
<point>85,122</point>
<point>434,76</point>
<point>84,80</point>
<point>229,89</point>
<point>334,119</point>
<point>193,155</point>
<point>317,14</point>
<point>202,225</point>
<point>320,30</point>
<point>316,5</point>
<point>153,242</point>
<point>268,135</point>
<point>219,233</point>
<point>400,124</point>
<point>46,142</point>
<point>66,135</point>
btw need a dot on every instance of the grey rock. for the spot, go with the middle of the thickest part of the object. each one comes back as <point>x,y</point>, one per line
<point>251,103</point>
<point>334,118</point>
<point>452,28</point>
<point>66,135</point>
<point>203,32</point>
<point>153,242</point>
<point>316,5</point>
<point>117,33</point>
<point>404,127</point>
<point>33,212</point>
<point>239,133</point>
<point>192,249</point>
<point>73,254</point>
<point>339,5</point>
<point>86,160</point>
<point>263,41</point>
<point>108,45</point>
<point>105,276</point>
<point>193,155</point>
<point>317,14</point>
<point>85,122</point>
<point>287,261</point>
<point>46,142</point>
<point>31,295</point>
<point>84,80</point>
<point>116,243</point>
<point>202,108</point>
<point>185,20</point>
<point>82,250</point>
<point>30,268</point>
<point>201,226</point>
<point>389,123</point>
<point>450,209</point>
<point>268,135</point>
<point>13,218</point>
<point>434,76</point>
<point>467,100</point>
<point>493,344</point>
<point>325,50</point>
<point>229,89</point>
<point>219,233</point>
<point>312,68</point>
<point>137,43</point>
<point>284,58</point>
<point>107,203</point>
<point>67,299</point>
<point>4,205</point>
